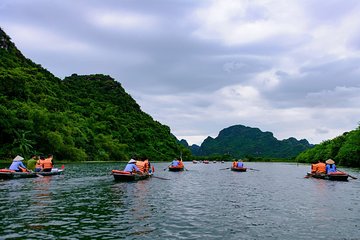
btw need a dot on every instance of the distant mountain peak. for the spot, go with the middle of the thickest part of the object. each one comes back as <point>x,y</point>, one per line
<point>241,141</point>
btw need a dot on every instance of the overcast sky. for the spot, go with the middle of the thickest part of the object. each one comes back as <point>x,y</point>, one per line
<point>291,67</point>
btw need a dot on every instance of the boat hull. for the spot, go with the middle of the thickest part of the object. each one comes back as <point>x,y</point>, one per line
<point>57,172</point>
<point>8,174</point>
<point>338,176</point>
<point>176,169</point>
<point>15,175</point>
<point>122,176</point>
<point>238,169</point>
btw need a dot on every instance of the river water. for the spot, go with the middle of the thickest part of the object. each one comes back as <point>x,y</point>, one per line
<point>276,202</point>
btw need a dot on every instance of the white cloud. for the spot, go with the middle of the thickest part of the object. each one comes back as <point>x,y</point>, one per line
<point>44,39</point>
<point>241,22</point>
<point>116,19</point>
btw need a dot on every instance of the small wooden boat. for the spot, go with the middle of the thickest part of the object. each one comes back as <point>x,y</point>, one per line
<point>176,168</point>
<point>238,169</point>
<point>206,162</point>
<point>129,176</point>
<point>333,176</point>
<point>11,174</point>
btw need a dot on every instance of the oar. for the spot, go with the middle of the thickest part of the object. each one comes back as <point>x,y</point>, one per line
<point>161,178</point>
<point>224,168</point>
<point>348,175</point>
<point>167,167</point>
<point>36,174</point>
<point>254,169</point>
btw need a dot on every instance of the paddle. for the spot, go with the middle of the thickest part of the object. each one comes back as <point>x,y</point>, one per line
<point>161,178</point>
<point>167,167</point>
<point>35,173</point>
<point>352,176</point>
<point>348,175</point>
<point>254,169</point>
<point>224,168</point>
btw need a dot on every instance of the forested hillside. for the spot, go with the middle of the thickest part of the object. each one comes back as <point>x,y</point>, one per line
<point>240,141</point>
<point>76,119</point>
<point>344,149</point>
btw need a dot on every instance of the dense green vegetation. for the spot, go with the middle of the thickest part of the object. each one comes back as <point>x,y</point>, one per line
<point>240,141</point>
<point>80,118</point>
<point>344,149</point>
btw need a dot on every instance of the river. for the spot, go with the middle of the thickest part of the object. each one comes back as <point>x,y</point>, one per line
<point>274,201</point>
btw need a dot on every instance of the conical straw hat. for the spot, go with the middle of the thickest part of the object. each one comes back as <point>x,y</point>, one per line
<point>18,158</point>
<point>329,161</point>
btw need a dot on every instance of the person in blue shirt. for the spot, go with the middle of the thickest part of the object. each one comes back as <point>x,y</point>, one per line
<point>330,166</point>
<point>175,163</point>
<point>131,166</point>
<point>17,164</point>
<point>240,164</point>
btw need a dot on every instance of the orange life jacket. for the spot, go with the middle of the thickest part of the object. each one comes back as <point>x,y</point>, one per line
<point>313,168</point>
<point>38,164</point>
<point>47,163</point>
<point>180,164</point>
<point>321,168</point>
<point>141,165</point>
<point>146,162</point>
<point>234,164</point>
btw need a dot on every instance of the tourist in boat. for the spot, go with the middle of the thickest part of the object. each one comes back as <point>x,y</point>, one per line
<point>330,166</point>
<point>47,163</point>
<point>17,164</point>
<point>240,164</point>
<point>143,165</point>
<point>31,163</point>
<point>181,164</point>
<point>39,165</point>
<point>175,163</point>
<point>148,167</point>
<point>319,168</point>
<point>131,166</point>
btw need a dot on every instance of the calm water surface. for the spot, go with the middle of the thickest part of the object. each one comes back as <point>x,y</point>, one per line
<point>276,202</point>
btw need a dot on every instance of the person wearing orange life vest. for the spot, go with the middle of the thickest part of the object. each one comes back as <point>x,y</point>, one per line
<point>313,167</point>
<point>141,165</point>
<point>234,164</point>
<point>181,164</point>
<point>150,169</point>
<point>44,164</point>
<point>39,165</point>
<point>48,163</point>
<point>319,168</point>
